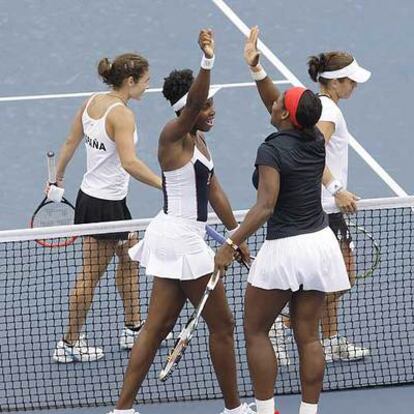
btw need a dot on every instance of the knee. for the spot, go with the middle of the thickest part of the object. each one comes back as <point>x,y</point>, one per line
<point>253,331</point>
<point>223,327</point>
<point>158,331</point>
<point>305,337</point>
<point>87,280</point>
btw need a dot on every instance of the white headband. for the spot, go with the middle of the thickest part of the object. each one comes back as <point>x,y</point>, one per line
<point>352,71</point>
<point>180,104</point>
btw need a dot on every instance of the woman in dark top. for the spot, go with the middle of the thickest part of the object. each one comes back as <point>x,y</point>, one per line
<point>300,260</point>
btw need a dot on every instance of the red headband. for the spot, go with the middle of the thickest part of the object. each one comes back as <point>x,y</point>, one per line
<point>292,98</point>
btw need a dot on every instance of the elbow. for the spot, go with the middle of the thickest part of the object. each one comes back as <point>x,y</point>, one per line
<point>128,165</point>
<point>267,211</point>
<point>267,207</point>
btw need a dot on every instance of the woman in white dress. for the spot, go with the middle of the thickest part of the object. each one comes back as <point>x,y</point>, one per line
<point>173,250</point>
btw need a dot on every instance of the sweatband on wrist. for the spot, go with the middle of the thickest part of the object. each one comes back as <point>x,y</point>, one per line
<point>55,193</point>
<point>334,187</point>
<point>259,75</point>
<point>231,232</point>
<point>207,63</point>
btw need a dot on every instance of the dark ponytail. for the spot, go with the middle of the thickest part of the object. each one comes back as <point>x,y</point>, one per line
<point>327,62</point>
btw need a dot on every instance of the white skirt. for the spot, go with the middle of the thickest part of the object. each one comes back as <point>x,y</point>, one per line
<point>174,248</point>
<point>312,261</point>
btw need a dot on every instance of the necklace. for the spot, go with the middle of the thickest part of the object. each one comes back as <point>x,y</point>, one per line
<point>328,95</point>
<point>119,97</point>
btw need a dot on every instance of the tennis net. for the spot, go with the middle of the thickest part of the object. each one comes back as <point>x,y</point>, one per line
<point>35,282</point>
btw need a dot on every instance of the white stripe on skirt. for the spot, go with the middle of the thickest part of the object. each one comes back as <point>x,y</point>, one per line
<point>312,261</point>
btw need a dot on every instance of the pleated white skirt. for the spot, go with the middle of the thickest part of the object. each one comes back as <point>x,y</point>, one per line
<point>312,261</point>
<point>174,248</point>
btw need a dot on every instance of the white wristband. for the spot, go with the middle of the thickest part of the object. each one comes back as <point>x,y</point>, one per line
<point>207,63</point>
<point>55,193</point>
<point>231,232</point>
<point>259,75</point>
<point>334,187</point>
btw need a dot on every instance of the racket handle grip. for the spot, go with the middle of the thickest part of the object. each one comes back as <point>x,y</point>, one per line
<point>51,167</point>
<point>219,238</point>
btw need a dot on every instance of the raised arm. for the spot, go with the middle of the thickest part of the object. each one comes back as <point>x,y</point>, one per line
<point>123,122</point>
<point>267,89</point>
<point>197,95</point>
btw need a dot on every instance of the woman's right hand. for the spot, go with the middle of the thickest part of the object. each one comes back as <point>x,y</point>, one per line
<point>251,53</point>
<point>206,42</point>
<point>59,183</point>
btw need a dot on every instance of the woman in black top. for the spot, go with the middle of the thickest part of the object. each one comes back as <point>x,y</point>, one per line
<point>300,260</point>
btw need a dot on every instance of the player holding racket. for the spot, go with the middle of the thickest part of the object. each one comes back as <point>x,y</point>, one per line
<point>173,249</point>
<point>338,74</point>
<point>107,127</point>
<point>300,261</point>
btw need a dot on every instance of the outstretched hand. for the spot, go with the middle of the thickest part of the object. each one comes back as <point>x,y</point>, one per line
<point>206,42</point>
<point>251,53</point>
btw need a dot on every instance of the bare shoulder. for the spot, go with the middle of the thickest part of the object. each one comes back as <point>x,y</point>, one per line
<point>121,114</point>
<point>169,133</point>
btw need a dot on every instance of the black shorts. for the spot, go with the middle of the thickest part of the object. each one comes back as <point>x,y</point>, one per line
<point>338,225</point>
<point>90,209</point>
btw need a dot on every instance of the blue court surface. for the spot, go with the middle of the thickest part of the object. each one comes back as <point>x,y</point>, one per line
<point>50,50</point>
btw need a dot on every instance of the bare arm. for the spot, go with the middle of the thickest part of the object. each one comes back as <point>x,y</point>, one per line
<point>267,194</point>
<point>266,88</point>
<point>196,98</point>
<point>221,205</point>
<point>345,200</point>
<point>123,123</point>
<point>70,145</point>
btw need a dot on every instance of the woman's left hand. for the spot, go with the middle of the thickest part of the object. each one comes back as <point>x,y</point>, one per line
<point>223,258</point>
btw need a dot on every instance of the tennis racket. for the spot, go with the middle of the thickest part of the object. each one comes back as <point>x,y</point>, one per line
<point>49,213</point>
<point>187,332</point>
<point>219,238</point>
<point>370,249</point>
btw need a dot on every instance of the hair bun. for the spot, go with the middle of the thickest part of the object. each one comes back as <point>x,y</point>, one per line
<point>104,68</point>
<point>322,62</point>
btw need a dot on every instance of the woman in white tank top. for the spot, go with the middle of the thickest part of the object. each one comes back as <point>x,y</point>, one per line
<point>338,74</point>
<point>107,127</point>
<point>173,249</point>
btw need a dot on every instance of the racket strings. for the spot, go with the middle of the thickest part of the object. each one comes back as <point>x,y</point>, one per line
<point>54,214</point>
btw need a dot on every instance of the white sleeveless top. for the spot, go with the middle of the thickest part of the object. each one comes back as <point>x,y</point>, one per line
<point>104,178</point>
<point>186,189</point>
<point>337,147</point>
